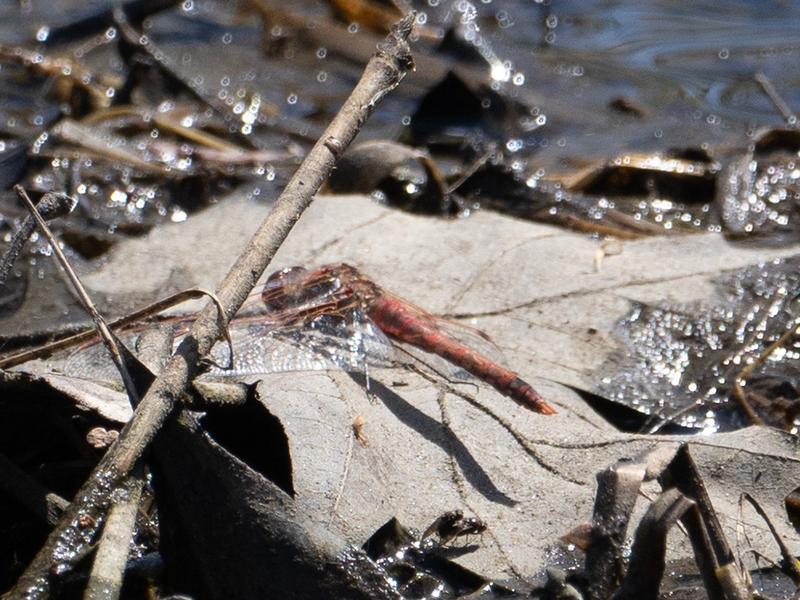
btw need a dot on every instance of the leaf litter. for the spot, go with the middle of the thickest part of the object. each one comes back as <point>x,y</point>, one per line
<point>429,453</point>
<point>432,442</point>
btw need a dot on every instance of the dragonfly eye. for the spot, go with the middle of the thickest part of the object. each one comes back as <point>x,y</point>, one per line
<point>284,277</point>
<point>280,289</point>
<point>305,292</point>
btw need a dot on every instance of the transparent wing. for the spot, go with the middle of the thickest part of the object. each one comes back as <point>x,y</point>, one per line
<point>350,342</point>
<point>328,342</point>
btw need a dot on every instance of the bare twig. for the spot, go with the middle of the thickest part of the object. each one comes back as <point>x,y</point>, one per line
<point>646,568</point>
<point>111,555</point>
<point>109,339</point>
<point>769,89</point>
<point>715,559</point>
<point>740,380</point>
<point>382,74</point>
<point>49,207</point>
<point>45,350</point>
<point>617,490</point>
<point>790,566</point>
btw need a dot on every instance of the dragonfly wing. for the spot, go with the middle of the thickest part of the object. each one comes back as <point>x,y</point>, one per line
<point>326,343</point>
<point>349,341</point>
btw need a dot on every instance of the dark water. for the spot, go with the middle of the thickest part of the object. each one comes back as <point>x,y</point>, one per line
<point>679,60</point>
<point>688,67</point>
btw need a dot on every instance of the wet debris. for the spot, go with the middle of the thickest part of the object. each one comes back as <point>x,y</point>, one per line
<point>50,206</point>
<point>631,196</point>
<point>69,125</point>
<point>264,526</point>
<point>96,19</point>
<point>13,161</point>
<point>677,176</point>
<point>481,115</point>
<point>45,436</point>
<point>473,104</point>
<point>681,364</point>
<point>501,183</point>
<point>759,191</point>
<point>225,487</point>
<point>616,568</point>
<point>628,106</point>
<point>395,174</point>
<point>72,83</point>
<point>415,566</point>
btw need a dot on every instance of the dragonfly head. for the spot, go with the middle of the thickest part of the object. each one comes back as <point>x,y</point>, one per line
<point>301,295</point>
<point>300,289</point>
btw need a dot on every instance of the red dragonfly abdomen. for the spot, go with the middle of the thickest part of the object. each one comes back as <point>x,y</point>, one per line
<point>401,322</point>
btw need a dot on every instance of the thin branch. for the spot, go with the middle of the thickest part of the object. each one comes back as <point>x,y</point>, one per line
<point>741,378</point>
<point>646,567</point>
<point>111,555</point>
<point>109,339</point>
<point>790,566</point>
<point>49,207</point>
<point>786,112</point>
<point>47,349</point>
<point>382,74</point>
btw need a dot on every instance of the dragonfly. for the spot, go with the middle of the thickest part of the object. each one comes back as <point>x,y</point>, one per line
<point>309,319</point>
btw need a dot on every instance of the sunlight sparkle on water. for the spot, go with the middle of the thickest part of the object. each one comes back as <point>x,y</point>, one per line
<point>500,72</point>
